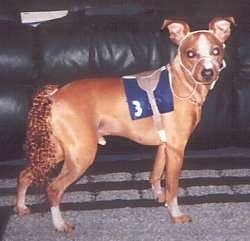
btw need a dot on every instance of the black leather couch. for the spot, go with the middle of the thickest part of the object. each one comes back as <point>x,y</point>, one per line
<point>117,38</point>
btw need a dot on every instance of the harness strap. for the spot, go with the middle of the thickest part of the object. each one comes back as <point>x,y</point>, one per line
<point>149,84</point>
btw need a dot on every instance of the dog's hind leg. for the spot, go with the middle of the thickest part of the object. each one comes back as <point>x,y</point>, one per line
<point>156,174</point>
<point>41,149</point>
<point>77,160</point>
<point>24,181</point>
<point>32,174</point>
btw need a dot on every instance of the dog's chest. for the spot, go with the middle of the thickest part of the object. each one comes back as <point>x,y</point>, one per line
<point>148,92</point>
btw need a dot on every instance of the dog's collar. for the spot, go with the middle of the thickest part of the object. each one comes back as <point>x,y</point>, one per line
<point>190,97</point>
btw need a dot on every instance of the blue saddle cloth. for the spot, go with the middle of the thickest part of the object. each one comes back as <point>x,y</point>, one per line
<point>138,101</point>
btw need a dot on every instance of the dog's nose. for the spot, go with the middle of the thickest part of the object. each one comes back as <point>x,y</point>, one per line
<point>207,73</point>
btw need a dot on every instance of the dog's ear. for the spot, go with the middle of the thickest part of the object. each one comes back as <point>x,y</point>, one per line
<point>177,30</point>
<point>221,27</point>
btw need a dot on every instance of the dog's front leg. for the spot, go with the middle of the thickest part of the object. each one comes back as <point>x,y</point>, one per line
<point>174,163</point>
<point>155,176</point>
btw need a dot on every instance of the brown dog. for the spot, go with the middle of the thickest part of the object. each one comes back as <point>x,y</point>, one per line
<point>68,123</point>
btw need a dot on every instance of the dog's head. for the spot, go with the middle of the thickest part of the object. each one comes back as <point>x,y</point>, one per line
<point>201,52</point>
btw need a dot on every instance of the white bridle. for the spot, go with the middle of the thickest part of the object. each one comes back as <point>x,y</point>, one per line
<point>202,58</point>
<point>191,72</point>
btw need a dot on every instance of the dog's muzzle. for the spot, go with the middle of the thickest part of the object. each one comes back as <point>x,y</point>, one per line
<point>205,71</point>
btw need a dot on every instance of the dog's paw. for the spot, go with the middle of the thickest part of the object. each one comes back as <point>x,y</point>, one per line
<point>181,219</point>
<point>159,193</point>
<point>160,197</point>
<point>22,211</point>
<point>65,227</point>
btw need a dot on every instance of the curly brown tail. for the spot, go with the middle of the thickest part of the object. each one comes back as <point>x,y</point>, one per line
<point>38,147</point>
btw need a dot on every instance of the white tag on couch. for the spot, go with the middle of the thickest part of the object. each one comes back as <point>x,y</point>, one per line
<point>37,17</point>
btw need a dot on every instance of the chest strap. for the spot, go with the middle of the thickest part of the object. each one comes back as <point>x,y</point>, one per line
<point>148,82</point>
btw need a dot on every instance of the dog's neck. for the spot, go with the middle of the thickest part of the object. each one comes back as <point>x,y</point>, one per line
<point>184,87</point>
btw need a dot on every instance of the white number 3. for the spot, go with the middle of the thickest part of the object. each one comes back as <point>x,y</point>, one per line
<point>138,108</point>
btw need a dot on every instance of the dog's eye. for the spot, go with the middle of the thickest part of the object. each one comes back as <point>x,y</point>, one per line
<point>191,54</point>
<point>216,51</point>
